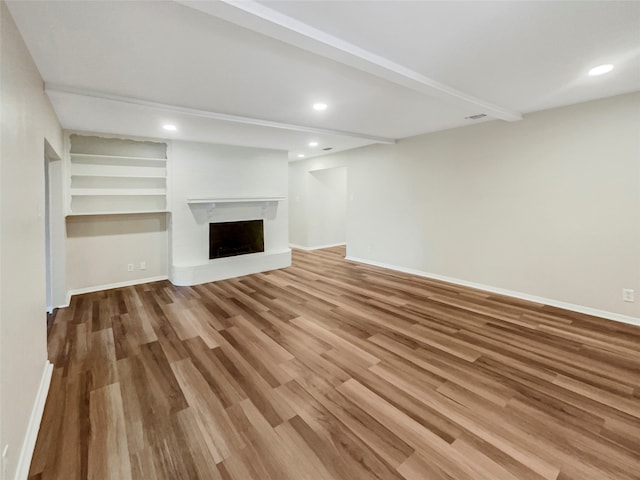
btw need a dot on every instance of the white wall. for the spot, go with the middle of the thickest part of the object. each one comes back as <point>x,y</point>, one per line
<point>205,170</point>
<point>27,120</point>
<point>547,206</point>
<point>318,205</point>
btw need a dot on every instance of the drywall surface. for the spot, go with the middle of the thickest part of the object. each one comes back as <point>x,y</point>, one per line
<point>547,206</point>
<point>101,248</point>
<point>220,171</point>
<point>27,120</point>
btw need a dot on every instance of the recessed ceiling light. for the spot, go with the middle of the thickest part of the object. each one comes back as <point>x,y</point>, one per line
<point>171,128</point>
<point>600,70</point>
<point>319,106</point>
<point>301,155</point>
<point>313,144</point>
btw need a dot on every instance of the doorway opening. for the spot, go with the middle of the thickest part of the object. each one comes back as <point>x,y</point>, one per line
<point>53,215</point>
<point>327,207</point>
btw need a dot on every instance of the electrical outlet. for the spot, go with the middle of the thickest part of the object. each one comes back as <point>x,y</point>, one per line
<point>130,267</point>
<point>143,265</point>
<point>628,295</point>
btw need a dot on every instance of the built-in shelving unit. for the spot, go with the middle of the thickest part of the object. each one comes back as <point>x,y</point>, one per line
<point>102,183</point>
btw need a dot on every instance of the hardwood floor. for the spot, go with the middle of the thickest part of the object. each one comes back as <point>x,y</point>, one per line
<point>336,370</point>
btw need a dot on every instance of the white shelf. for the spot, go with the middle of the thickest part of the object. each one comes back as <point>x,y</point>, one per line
<point>122,192</point>
<point>215,200</point>
<point>118,175</point>
<point>119,171</point>
<point>123,212</point>
<point>100,184</point>
<point>94,157</point>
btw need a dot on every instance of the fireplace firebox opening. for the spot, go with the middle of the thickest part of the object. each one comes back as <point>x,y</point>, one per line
<point>228,239</point>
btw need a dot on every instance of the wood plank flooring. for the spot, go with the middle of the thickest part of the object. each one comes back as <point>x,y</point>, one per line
<point>331,370</point>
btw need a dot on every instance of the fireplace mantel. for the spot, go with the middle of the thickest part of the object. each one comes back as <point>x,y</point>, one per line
<point>213,200</point>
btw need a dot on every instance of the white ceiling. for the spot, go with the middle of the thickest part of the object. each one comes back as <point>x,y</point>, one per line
<point>246,73</point>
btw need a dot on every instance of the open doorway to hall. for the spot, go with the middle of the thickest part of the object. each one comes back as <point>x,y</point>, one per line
<point>328,207</point>
<point>53,217</point>
<point>318,208</point>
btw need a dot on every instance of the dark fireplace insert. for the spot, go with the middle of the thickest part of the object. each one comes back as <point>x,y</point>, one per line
<point>228,239</point>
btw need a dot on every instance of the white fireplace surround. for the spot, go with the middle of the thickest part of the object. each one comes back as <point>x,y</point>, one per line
<point>231,209</point>
<point>218,183</point>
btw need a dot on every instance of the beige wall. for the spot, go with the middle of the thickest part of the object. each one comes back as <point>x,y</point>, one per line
<point>27,120</point>
<point>99,249</point>
<point>547,206</point>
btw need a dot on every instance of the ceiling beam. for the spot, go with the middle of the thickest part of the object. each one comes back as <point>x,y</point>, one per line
<point>212,115</point>
<point>267,21</point>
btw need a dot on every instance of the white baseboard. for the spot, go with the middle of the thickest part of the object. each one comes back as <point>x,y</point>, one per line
<point>29,444</point>
<point>319,247</point>
<point>98,288</point>
<point>509,293</point>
